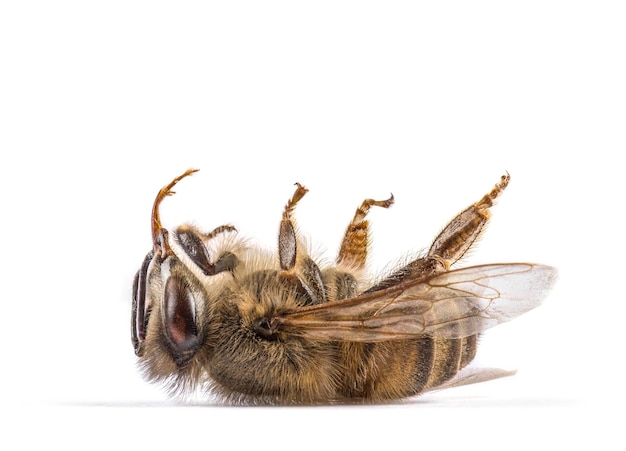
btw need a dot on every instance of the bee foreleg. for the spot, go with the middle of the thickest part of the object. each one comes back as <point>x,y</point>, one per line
<point>219,230</point>
<point>353,250</point>
<point>191,242</point>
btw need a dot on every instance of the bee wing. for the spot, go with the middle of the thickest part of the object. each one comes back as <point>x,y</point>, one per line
<point>453,304</point>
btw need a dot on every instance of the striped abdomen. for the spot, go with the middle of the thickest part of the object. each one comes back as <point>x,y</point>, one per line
<point>397,369</point>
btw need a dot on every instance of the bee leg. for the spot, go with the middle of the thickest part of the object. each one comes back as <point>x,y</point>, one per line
<point>451,244</point>
<point>287,240</point>
<point>219,230</point>
<point>227,261</point>
<point>463,231</point>
<point>298,268</point>
<point>353,250</point>
<point>193,242</point>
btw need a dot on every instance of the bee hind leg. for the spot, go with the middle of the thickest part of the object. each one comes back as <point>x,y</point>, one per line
<point>463,231</point>
<point>456,238</point>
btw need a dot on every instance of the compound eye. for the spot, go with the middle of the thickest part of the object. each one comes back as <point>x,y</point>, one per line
<point>140,310</point>
<point>180,316</point>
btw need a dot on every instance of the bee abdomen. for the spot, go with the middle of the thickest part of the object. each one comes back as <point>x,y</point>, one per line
<point>423,365</point>
<point>394,370</point>
<point>450,356</point>
<point>446,362</point>
<point>386,370</point>
<point>468,350</point>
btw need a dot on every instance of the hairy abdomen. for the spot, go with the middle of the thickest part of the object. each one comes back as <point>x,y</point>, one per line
<point>397,369</point>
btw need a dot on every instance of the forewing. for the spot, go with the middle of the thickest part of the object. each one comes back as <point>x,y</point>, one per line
<point>453,304</point>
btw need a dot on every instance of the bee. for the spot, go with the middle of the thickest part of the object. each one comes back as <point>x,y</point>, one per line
<point>212,312</point>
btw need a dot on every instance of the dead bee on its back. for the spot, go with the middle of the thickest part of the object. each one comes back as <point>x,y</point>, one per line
<point>210,311</point>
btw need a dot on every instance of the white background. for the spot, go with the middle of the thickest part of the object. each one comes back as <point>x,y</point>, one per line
<point>101,103</point>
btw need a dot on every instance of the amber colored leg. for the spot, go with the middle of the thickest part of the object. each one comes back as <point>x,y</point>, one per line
<point>353,250</point>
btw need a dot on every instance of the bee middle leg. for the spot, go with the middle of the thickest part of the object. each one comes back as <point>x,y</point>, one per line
<point>287,239</point>
<point>297,267</point>
<point>354,246</point>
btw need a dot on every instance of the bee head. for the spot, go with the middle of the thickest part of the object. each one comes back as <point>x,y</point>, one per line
<point>171,302</point>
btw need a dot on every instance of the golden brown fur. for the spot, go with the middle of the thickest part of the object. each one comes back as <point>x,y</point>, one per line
<point>214,313</point>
